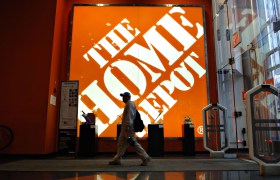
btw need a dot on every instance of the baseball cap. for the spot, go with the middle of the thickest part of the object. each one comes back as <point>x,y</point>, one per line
<point>125,94</point>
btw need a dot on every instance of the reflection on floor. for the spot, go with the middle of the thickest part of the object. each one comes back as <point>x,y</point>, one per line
<point>189,175</point>
<point>199,167</point>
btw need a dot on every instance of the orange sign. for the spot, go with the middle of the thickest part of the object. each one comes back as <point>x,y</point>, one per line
<point>236,39</point>
<point>156,53</point>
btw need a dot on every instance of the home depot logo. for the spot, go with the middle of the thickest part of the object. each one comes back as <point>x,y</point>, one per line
<point>152,71</point>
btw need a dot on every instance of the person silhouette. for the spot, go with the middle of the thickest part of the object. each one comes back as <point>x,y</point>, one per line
<point>126,136</point>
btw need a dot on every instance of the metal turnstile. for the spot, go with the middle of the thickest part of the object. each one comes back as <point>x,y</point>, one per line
<point>215,136</point>
<point>263,123</point>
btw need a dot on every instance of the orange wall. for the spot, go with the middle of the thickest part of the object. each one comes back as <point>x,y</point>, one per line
<point>33,61</point>
<point>26,35</point>
<point>59,52</point>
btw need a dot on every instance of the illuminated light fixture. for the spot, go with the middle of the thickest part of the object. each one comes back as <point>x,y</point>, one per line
<point>100,4</point>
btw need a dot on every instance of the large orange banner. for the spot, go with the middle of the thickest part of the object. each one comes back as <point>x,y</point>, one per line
<point>156,53</point>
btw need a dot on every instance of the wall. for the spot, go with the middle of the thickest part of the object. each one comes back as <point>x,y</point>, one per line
<point>33,62</point>
<point>26,51</point>
<point>58,72</point>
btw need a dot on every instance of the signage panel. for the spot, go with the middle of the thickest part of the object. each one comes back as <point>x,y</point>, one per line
<point>156,53</point>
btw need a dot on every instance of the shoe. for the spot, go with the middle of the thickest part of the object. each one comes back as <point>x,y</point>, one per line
<point>146,161</point>
<point>114,163</point>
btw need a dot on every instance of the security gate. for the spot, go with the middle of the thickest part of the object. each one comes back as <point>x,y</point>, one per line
<point>263,123</point>
<point>215,130</point>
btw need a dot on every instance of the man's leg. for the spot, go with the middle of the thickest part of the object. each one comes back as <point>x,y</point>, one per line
<point>142,153</point>
<point>122,146</point>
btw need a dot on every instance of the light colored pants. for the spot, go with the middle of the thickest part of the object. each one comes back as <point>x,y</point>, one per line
<point>123,145</point>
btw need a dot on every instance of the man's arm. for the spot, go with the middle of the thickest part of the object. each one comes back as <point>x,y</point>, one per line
<point>128,116</point>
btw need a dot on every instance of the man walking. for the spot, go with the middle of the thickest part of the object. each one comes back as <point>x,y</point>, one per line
<point>126,136</point>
